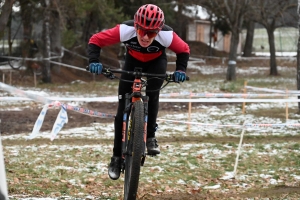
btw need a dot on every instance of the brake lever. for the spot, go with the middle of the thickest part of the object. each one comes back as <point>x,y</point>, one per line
<point>108,74</point>
<point>170,78</point>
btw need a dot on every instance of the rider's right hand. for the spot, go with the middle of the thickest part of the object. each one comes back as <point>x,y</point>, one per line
<point>95,68</point>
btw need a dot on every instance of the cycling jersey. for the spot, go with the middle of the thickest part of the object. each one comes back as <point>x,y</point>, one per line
<point>126,33</point>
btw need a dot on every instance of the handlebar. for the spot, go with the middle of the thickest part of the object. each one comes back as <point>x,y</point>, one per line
<point>109,73</point>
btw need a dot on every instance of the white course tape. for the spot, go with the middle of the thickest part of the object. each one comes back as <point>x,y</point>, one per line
<point>39,122</point>
<point>70,99</point>
<point>226,95</point>
<point>62,118</point>
<point>115,99</point>
<point>273,90</point>
<point>22,93</point>
<point>224,100</point>
<point>230,125</point>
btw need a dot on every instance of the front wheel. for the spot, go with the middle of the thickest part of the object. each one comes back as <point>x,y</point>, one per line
<point>135,151</point>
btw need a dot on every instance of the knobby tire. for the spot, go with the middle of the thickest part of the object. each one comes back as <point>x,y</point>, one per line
<point>135,147</point>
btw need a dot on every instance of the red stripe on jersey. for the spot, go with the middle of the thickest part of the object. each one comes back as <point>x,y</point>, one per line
<point>178,45</point>
<point>107,37</point>
<point>144,57</point>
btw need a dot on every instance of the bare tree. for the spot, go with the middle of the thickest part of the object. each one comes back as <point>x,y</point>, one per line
<point>234,12</point>
<point>4,16</point>
<point>249,39</point>
<point>272,14</point>
<point>46,36</point>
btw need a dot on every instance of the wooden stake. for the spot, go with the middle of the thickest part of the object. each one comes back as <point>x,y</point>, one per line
<point>189,116</point>
<point>10,76</point>
<point>34,78</point>
<point>244,103</point>
<point>286,107</point>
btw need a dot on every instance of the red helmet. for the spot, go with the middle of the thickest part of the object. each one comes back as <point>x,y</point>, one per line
<point>149,16</point>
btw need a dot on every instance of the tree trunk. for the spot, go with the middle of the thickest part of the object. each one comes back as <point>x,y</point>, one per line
<point>210,36</point>
<point>46,36</point>
<point>273,65</point>
<point>89,27</point>
<point>55,37</point>
<point>249,39</point>
<point>5,13</point>
<point>298,55</point>
<point>231,72</point>
<point>26,14</point>
<point>179,17</point>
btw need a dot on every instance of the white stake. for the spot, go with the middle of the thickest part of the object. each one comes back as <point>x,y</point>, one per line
<point>239,150</point>
<point>3,186</point>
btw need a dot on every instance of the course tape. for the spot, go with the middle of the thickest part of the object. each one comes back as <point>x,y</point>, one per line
<point>185,100</point>
<point>52,102</point>
<point>229,125</point>
<point>62,117</point>
<point>22,93</point>
<point>72,99</point>
<point>226,95</point>
<point>88,112</point>
<point>273,90</point>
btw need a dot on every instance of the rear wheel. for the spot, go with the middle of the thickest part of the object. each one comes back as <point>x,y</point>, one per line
<point>135,151</point>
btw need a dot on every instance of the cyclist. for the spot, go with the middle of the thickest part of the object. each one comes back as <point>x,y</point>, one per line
<point>146,37</point>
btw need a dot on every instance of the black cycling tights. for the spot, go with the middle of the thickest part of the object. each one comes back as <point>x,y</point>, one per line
<point>157,66</point>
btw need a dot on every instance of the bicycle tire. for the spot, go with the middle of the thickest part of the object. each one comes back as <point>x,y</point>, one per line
<point>135,149</point>
<point>16,64</point>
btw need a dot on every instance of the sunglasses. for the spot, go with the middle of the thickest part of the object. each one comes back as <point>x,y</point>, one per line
<point>150,34</point>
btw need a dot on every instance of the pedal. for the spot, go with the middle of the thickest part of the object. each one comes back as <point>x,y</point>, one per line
<point>152,155</point>
<point>123,167</point>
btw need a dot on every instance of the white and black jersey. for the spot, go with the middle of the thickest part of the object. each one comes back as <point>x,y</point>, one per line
<point>126,33</point>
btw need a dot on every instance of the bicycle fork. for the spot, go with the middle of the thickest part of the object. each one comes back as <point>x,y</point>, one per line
<point>127,128</point>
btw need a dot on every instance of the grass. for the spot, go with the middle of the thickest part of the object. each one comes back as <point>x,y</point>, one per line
<point>79,171</point>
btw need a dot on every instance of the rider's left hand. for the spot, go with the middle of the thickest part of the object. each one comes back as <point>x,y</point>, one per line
<point>95,68</point>
<point>179,76</point>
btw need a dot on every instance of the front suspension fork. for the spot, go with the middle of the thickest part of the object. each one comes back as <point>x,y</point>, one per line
<point>127,126</point>
<point>145,100</point>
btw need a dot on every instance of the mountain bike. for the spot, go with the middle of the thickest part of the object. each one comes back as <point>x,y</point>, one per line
<point>134,129</point>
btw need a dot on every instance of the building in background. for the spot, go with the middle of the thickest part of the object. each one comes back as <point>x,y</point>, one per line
<point>199,31</point>
<point>285,38</point>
